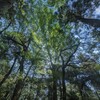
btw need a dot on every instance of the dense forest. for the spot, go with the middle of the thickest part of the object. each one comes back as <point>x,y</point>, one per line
<point>49,50</point>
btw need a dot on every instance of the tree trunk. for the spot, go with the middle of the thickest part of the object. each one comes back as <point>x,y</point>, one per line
<point>54,89</point>
<point>20,83</point>
<point>17,90</point>
<point>63,83</point>
<point>50,92</point>
<point>80,87</point>
<point>60,89</point>
<point>54,86</point>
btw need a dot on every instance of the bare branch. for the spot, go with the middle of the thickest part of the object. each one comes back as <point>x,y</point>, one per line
<point>5,28</point>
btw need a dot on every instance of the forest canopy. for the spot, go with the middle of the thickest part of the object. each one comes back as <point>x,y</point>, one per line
<point>49,50</point>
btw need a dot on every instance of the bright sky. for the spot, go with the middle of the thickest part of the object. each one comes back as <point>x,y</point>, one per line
<point>97,11</point>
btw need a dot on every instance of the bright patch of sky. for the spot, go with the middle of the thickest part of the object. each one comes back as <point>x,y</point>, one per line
<point>97,11</point>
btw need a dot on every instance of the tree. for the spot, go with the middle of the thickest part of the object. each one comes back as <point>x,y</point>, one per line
<point>46,54</point>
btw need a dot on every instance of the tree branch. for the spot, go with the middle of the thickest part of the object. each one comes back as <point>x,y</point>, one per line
<point>71,55</point>
<point>5,28</point>
<point>6,76</point>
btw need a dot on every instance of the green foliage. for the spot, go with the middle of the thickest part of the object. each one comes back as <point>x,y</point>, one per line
<point>49,54</point>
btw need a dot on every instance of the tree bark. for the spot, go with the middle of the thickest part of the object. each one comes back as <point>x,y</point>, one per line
<point>17,90</point>
<point>54,90</point>
<point>54,83</point>
<point>60,89</point>
<point>63,83</point>
<point>50,92</point>
<point>20,83</point>
<point>9,72</point>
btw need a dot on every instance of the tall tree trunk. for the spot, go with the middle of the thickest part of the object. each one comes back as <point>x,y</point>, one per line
<point>80,87</point>
<point>20,83</point>
<point>50,92</point>
<point>60,89</point>
<point>54,89</point>
<point>63,83</point>
<point>54,84</point>
<point>17,90</point>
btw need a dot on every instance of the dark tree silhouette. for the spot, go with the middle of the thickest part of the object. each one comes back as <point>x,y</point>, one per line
<point>92,22</point>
